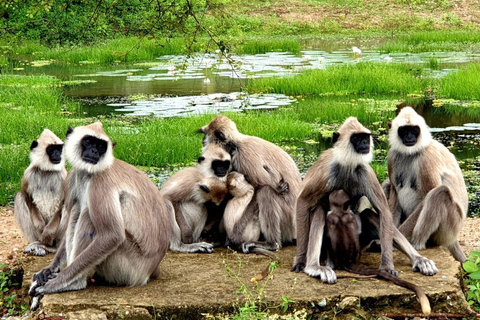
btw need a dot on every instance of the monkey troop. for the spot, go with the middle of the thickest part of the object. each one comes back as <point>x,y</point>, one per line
<point>110,221</point>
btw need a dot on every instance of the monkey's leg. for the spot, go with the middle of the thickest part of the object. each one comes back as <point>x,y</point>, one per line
<point>126,266</point>
<point>91,245</point>
<point>303,234</point>
<point>457,252</point>
<point>270,213</point>
<point>51,231</point>
<point>313,267</point>
<point>419,263</point>
<point>32,225</point>
<point>176,243</point>
<point>440,219</point>
<point>22,215</point>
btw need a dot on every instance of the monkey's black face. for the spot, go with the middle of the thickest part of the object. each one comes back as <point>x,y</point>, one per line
<point>93,149</point>
<point>54,152</point>
<point>409,135</point>
<point>361,142</point>
<point>220,168</point>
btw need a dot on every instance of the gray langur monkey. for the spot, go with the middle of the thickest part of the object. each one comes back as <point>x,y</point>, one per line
<point>38,206</point>
<point>346,166</point>
<point>187,191</point>
<point>426,190</point>
<point>342,236</point>
<point>273,175</point>
<point>243,227</point>
<point>118,226</point>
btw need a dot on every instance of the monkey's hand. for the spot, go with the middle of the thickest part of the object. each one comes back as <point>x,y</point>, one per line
<point>426,266</point>
<point>38,249</point>
<point>42,277</point>
<point>326,274</point>
<point>282,187</point>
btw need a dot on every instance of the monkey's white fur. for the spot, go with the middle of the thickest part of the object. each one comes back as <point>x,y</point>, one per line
<point>343,152</point>
<point>408,117</point>
<point>39,157</point>
<point>73,152</point>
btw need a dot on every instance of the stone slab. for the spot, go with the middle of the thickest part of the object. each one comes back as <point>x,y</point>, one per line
<point>192,285</point>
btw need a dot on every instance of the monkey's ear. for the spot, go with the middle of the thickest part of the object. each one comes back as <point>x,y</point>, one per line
<point>114,144</point>
<point>34,144</point>
<point>69,130</point>
<point>200,159</point>
<point>200,130</point>
<point>204,188</point>
<point>220,136</point>
<point>335,136</point>
<point>389,124</point>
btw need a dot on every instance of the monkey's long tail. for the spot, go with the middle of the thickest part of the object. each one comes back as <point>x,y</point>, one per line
<point>264,273</point>
<point>422,297</point>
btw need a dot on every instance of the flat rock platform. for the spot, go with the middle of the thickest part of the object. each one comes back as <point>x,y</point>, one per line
<point>197,286</point>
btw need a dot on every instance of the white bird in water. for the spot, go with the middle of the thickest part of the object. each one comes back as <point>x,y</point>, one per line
<point>356,50</point>
<point>388,59</point>
<point>321,59</point>
<point>206,80</point>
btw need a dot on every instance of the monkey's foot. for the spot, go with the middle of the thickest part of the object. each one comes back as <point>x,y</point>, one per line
<point>38,249</point>
<point>297,267</point>
<point>246,247</point>
<point>326,274</point>
<point>198,247</point>
<point>391,271</point>
<point>425,266</point>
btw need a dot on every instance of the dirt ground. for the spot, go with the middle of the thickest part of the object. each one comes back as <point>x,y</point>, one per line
<point>12,241</point>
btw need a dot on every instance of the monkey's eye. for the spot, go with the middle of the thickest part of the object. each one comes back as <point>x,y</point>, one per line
<point>346,205</point>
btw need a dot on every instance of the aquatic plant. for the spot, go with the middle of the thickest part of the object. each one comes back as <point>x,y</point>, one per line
<point>462,85</point>
<point>360,78</point>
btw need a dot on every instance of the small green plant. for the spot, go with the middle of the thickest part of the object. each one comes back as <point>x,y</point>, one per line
<point>472,268</point>
<point>254,306</point>
<point>8,299</point>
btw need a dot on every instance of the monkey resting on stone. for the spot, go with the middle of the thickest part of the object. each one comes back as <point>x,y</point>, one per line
<point>118,225</point>
<point>425,190</point>
<point>38,206</point>
<point>346,166</point>
<point>343,228</point>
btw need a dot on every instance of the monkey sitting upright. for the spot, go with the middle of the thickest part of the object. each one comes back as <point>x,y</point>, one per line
<point>118,224</point>
<point>342,245</point>
<point>38,206</point>
<point>426,190</point>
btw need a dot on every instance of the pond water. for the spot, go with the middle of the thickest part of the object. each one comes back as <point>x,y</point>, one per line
<point>174,86</point>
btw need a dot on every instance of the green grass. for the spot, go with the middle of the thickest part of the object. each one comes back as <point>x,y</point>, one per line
<point>462,85</point>
<point>361,78</point>
<point>432,41</point>
<point>123,50</point>
<point>263,45</point>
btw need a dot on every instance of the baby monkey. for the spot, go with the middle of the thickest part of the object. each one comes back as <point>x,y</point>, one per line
<point>342,238</point>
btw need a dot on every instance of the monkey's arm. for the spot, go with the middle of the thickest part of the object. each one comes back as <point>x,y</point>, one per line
<point>51,230</point>
<point>186,231</point>
<point>379,202</point>
<point>105,215</point>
